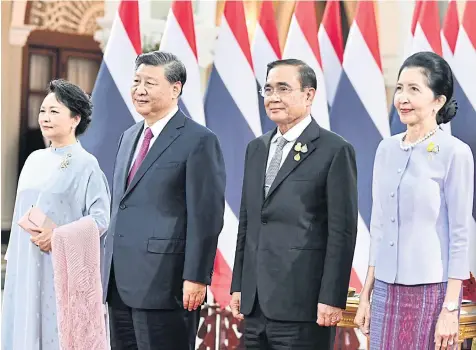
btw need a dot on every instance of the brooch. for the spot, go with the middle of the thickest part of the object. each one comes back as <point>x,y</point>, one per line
<point>65,162</point>
<point>432,149</point>
<point>300,148</point>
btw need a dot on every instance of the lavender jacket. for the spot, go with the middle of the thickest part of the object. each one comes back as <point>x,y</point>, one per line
<point>422,210</point>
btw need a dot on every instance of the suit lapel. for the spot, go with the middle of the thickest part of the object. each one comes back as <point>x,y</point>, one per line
<point>164,140</point>
<point>309,134</point>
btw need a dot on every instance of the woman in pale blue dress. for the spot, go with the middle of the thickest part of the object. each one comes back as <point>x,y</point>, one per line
<point>66,183</point>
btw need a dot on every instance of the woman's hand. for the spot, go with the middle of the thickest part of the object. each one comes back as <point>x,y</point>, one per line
<point>446,331</point>
<point>43,238</point>
<point>362,317</point>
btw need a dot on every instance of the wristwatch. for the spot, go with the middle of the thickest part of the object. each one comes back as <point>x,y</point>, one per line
<point>451,306</point>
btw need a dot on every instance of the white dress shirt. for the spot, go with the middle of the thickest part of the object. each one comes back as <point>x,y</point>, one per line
<point>156,128</point>
<point>291,136</point>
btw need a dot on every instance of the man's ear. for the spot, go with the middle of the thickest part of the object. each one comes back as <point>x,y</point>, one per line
<point>177,88</point>
<point>311,93</point>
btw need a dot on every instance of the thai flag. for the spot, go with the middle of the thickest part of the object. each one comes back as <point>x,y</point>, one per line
<point>113,111</point>
<point>331,45</point>
<point>359,114</point>
<point>449,32</point>
<point>395,125</point>
<point>179,39</point>
<point>232,113</point>
<point>302,43</point>
<point>408,50</point>
<point>449,35</point>
<point>463,126</point>
<point>265,49</point>
<point>427,31</point>
<point>426,38</point>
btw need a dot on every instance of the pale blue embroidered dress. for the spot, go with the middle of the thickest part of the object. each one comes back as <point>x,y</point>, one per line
<point>66,184</point>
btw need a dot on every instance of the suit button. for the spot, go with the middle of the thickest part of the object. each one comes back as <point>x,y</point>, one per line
<point>264,221</point>
<point>122,206</point>
<point>391,244</point>
<point>392,194</point>
<point>392,219</point>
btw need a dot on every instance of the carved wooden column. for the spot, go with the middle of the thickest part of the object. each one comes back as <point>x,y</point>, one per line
<point>14,36</point>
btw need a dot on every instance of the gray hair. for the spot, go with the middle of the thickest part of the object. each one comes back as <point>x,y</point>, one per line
<point>174,69</point>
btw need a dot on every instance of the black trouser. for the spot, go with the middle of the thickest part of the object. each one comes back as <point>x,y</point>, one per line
<point>142,329</point>
<point>262,333</point>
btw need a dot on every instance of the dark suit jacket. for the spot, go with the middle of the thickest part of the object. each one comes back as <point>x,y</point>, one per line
<point>295,248</point>
<point>165,225</point>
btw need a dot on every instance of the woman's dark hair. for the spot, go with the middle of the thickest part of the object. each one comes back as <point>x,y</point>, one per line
<point>440,80</point>
<point>77,101</point>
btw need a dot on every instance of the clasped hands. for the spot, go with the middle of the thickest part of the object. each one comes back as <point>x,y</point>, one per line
<point>327,315</point>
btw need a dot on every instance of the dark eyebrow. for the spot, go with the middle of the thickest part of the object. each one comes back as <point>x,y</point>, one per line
<point>411,84</point>
<point>281,83</point>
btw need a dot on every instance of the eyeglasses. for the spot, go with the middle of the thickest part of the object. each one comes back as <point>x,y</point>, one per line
<point>280,91</point>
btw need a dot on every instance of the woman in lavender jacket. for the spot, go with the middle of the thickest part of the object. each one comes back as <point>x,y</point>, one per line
<point>422,207</point>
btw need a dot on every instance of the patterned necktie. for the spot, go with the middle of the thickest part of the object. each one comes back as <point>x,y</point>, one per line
<point>274,165</point>
<point>144,148</point>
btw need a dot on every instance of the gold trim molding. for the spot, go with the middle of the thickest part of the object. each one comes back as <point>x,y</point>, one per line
<point>73,17</point>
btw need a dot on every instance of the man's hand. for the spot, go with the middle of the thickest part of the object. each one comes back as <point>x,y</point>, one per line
<point>328,315</point>
<point>43,239</point>
<point>235,304</point>
<point>193,295</point>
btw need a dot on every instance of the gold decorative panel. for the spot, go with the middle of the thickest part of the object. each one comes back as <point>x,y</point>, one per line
<point>75,17</point>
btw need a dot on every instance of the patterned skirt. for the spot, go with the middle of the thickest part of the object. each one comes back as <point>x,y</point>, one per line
<point>404,317</point>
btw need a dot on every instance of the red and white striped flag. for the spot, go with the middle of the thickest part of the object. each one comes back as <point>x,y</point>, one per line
<point>331,45</point>
<point>113,111</point>
<point>302,43</point>
<point>265,49</point>
<point>232,113</point>
<point>463,126</point>
<point>179,39</point>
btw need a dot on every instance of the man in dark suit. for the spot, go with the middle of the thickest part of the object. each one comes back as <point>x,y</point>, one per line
<point>298,222</point>
<point>167,212</point>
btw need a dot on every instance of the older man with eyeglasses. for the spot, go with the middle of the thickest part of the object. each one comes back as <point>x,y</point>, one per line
<point>298,222</point>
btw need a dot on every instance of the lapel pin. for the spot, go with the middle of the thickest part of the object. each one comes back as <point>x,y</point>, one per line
<point>297,157</point>
<point>297,148</point>
<point>304,148</point>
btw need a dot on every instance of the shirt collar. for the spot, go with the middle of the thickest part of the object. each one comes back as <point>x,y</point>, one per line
<point>159,125</point>
<point>292,134</point>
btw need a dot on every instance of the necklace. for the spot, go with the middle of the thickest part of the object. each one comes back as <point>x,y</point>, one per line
<point>420,140</point>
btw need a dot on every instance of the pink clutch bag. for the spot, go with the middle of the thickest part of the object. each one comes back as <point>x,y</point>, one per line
<point>35,218</point>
